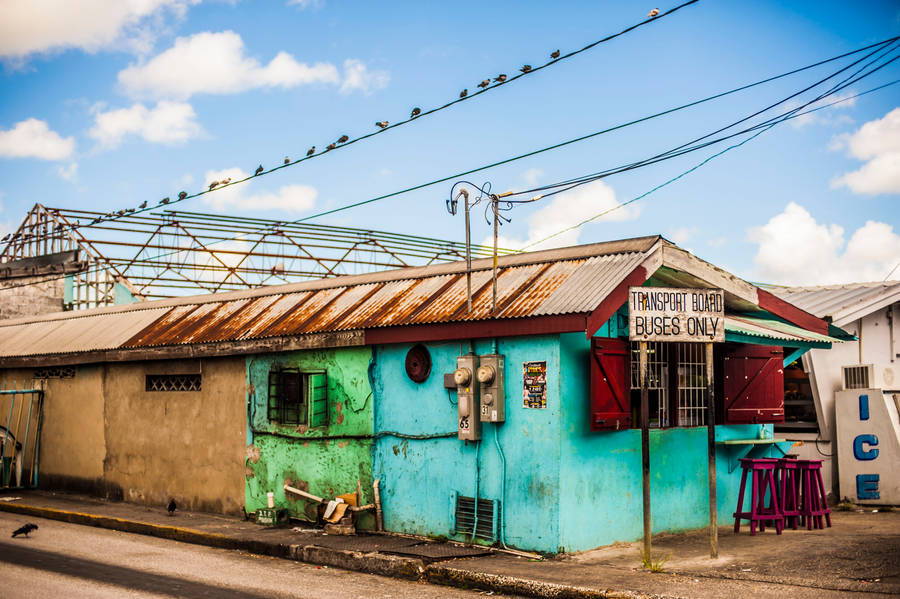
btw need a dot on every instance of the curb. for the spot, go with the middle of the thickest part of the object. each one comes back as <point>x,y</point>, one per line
<point>370,563</point>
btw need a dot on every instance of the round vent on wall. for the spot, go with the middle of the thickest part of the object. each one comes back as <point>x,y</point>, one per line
<point>418,364</point>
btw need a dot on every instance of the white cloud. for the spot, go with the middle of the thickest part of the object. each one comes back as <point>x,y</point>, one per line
<point>167,123</point>
<point>823,116</point>
<point>304,4</point>
<point>568,209</point>
<point>215,63</point>
<point>794,249</point>
<point>69,172</point>
<point>289,198</point>
<point>33,138</point>
<point>877,142</point>
<point>681,235</point>
<point>34,26</point>
<point>532,175</point>
<point>357,77</point>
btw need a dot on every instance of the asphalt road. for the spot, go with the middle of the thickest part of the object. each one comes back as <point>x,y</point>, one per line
<point>69,560</point>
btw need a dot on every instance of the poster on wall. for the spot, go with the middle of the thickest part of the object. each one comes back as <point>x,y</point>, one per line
<point>534,390</point>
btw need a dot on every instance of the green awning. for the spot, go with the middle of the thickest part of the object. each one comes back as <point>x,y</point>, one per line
<point>765,331</point>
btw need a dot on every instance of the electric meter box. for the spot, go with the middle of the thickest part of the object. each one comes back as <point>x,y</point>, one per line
<point>467,387</point>
<point>490,379</point>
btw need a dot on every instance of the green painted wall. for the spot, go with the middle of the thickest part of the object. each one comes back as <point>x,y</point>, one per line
<point>321,460</point>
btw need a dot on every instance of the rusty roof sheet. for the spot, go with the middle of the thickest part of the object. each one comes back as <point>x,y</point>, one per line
<point>565,281</point>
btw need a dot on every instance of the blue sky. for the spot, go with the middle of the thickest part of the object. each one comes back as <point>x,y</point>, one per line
<point>108,103</point>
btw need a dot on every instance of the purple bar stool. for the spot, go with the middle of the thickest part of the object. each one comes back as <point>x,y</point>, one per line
<point>786,475</point>
<point>762,482</point>
<point>813,504</point>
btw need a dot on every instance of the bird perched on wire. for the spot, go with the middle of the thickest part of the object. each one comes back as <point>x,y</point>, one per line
<point>330,147</point>
<point>213,185</point>
<point>342,139</point>
<point>259,169</point>
<point>172,507</point>
<point>119,213</point>
<point>7,236</point>
<point>526,68</point>
<point>311,151</point>
<point>500,78</point>
<point>464,93</point>
<point>484,83</point>
<point>653,13</point>
<point>287,160</point>
<point>415,112</point>
<point>225,181</point>
<point>554,55</point>
<point>24,530</point>
<point>181,196</point>
<point>142,205</point>
<point>382,124</point>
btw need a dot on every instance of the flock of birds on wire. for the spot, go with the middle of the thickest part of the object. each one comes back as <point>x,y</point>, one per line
<point>382,125</point>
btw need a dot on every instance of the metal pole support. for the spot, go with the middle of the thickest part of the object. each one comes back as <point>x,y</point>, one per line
<point>711,451</point>
<point>645,448</point>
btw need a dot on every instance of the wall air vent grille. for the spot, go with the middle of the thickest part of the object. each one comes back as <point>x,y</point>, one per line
<point>488,515</point>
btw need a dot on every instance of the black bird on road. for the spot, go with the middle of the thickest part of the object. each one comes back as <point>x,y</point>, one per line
<point>172,507</point>
<point>25,530</point>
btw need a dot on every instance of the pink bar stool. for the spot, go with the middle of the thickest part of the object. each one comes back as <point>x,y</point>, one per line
<point>762,483</point>
<point>788,480</point>
<point>813,503</point>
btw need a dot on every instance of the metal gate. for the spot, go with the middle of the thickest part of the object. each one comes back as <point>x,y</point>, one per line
<point>20,437</point>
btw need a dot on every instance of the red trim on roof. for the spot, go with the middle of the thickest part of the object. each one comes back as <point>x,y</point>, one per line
<point>537,325</point>
<point>790,312</point>
<point>615,300</point>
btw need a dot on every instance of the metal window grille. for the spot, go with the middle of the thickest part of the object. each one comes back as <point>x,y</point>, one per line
<point>691,384</point>
<point>173,382</point>
<point>488,514</point>
<point>856,377</point>
<point>657,376</point>
<point>63,372</point>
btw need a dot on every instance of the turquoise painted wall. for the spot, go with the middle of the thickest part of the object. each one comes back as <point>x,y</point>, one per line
<point>600,472</point>
<point>305,457</point>
<point>419,477</point>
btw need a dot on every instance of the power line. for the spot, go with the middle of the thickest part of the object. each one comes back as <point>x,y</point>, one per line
<point>603,213</point>
<point>589,135</point>
<point>383,126</point>
<point>697,166</point>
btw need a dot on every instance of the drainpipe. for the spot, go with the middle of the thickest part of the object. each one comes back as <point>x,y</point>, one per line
<point>477,484</point>
<point>860,327</point>
<point>890,319</point>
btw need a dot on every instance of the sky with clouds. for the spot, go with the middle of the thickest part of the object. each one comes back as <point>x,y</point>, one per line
<point>105,104</point>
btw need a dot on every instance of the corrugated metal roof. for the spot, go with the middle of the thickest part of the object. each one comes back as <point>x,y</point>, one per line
<point>542,283</point>
<point>554,282</point>
<point>774,329</point>
<point>841,303</point>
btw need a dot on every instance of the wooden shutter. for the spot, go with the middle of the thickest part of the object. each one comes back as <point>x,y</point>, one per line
<point>318,399</point>
<point>610,388</point>
<point>753,387</point>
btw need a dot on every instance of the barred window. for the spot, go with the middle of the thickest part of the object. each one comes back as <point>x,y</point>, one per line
<point>173,382</point>
<point>676,381</point>
<point>62,372</point>
<point>297,398</point>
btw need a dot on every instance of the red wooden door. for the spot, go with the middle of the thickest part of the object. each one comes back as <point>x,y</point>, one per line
<point>610,386</point>
<point>753,387</point>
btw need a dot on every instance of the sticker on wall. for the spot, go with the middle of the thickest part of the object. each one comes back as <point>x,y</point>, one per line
<point>534,390</point>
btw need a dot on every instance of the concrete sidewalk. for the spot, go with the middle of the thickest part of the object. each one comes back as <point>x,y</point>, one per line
<point>860,554</point>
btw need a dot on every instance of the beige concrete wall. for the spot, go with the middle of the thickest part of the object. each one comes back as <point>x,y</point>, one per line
<point>72,446</point>
<point>104,434</point>
<point>29,296</point>
<point>186,445</point>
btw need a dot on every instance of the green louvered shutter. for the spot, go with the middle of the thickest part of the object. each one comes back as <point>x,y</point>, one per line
<point>318,399</point>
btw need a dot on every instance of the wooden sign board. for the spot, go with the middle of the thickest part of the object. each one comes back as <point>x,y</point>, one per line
<point>674,314</point>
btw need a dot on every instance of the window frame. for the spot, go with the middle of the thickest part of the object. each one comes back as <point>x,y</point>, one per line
<point>308,409</point>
